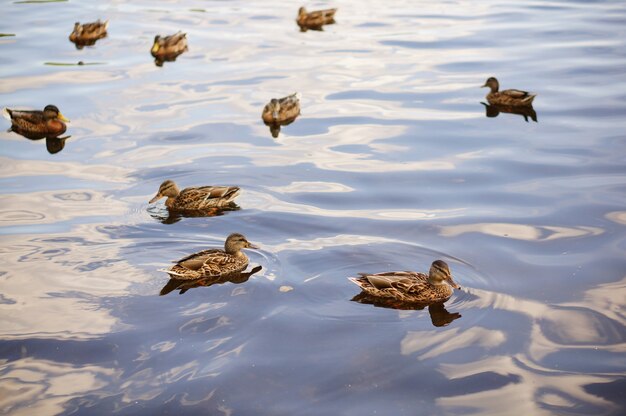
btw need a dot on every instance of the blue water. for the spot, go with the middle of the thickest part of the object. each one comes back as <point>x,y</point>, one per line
<point>391,165</point>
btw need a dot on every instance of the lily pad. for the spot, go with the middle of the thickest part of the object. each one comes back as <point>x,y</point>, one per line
<point>79,63</point>
<point>6,34</point>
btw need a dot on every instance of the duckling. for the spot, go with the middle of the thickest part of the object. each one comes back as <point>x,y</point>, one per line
<point>315,20</point>
<point>37,124</point>
<point>507,97</point>
<point>282,110</point>
<point>410,286</point>
<point>213,262</point>
<point>195,199</point>
<point>88,33</point>
<point>169,47</point>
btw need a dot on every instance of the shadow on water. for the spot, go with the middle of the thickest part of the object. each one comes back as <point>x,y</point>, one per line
<point>494,110</point>
<point>439,315</point>
<point>184,285</point>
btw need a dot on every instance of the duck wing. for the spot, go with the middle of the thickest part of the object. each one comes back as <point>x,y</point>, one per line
<point>399,280</point>
<point>517,94</point>
<point>195,261</point>
<point>207,196</point>
<point>33,117</point>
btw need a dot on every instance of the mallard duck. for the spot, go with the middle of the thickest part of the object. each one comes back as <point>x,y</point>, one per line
<point>507,97</point>
<point>282,111</point>
<point>88,33</point>
<point>526,111</point>
<point>169,47</point>
<point>195,199</point>
<point>37,124</point>
<point>315,20</point>
<point>213,262</point>
<point>409,286</point>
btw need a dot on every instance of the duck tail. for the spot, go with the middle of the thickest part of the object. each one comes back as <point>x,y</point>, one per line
<point>170,272</point>
<point>6,113</point>
<point>530,98</point>
<point>356,281</point>
<point>106,24</point>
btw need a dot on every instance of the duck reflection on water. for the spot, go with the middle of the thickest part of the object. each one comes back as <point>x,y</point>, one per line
<point>494,110</point>
<point>439,315</point>
<point>184,285</point>
<point>166,216</point>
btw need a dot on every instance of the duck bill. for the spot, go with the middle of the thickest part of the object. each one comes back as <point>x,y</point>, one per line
<point>63,118</point>
<point>453,283</point>
<point>275,114</point>
<point>250,245</point>
<point>483,86</point>
<point>156,198</point>
<point>155,48</point>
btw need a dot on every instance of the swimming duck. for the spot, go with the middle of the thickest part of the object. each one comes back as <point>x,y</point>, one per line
<point>37,124</point>
<point>88,33</point>
<point>213,262</point>
<point>507,97</point>
<point>413,287</point>
<point>169,47</point>
<point>282,110</point>
<point>315,20</point>
<point>195,199</point>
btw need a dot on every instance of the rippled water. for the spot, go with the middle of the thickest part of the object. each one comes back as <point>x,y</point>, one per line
<point>391,165</point>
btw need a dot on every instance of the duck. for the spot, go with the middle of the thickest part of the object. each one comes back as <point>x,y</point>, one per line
<point>281,111</point>
<point>507,97</point>
<point>167,48</point>
<point>88,33</point>
<point>213,262</point>
<point>409,286</point>
<point>315,20</point>
<point>195,198</point>
<point>37,124</point>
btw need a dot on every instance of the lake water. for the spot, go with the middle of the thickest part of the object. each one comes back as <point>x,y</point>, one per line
<point>391,165</point>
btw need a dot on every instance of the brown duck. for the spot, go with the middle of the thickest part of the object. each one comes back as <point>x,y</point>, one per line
<point>167,48</point>
<point>315,20</point>
<point>37,124</point>
<point>195,199</point>
<point>282,110</point>
<point>213,262</point>
<point>413,287</point>
<point>507,97</point>
<point>88,33</point>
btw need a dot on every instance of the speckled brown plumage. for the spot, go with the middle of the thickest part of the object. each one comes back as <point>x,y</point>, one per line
<point>282,111</point>
<point>316,19</point>
<point>408,286</point>
<point>213,262</point>
<point>507,97</point>
<point>88,33</point>
<point>196,199</point>
<point>167,48</point>
<point>37,124</point>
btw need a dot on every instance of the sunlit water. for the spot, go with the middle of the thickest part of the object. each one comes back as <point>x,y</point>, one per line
<point>391,165</point>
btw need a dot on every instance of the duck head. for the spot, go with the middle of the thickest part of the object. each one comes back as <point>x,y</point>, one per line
<point>439,274</point>
<point>51,112</point>
<point>492,83</point>
<point>167,189</point>
<point>156,45</point>
<point>235,242</point>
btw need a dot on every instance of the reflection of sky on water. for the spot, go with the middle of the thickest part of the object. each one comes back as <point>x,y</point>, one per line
<point>391,164</point>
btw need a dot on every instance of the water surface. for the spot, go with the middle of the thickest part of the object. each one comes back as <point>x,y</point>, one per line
<point>392,164</point>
